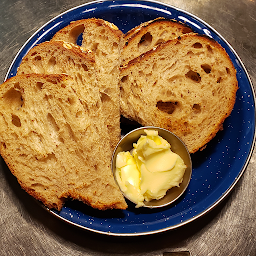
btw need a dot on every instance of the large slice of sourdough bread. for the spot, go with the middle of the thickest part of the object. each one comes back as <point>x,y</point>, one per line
<point>187,85</point>
<point>52,145</point>
<point>57,57</point>
<point>148,35</point>
<point>106,41</point>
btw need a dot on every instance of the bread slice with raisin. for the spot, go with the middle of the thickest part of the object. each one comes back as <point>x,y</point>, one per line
<point>148,35</point>
<point>106,41</point>
<point>52,145</point>
<point>187,85</point>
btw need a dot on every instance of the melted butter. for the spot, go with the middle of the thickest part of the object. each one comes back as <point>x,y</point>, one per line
<point>150,170</point>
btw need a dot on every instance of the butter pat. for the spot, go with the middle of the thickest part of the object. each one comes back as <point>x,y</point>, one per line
<point>128,177</point>
<point>150,170</point>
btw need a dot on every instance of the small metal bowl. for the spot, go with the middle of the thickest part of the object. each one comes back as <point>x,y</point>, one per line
<point>177,146</point>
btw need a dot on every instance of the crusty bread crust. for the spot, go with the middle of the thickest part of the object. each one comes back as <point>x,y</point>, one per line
<point>148,35</point>
<point>106,41</point>
<point>51,145</point>
<point>187,85</point>
<point>71,32</point>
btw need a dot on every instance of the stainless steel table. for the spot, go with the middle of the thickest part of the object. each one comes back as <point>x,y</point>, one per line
<point>229,229</point>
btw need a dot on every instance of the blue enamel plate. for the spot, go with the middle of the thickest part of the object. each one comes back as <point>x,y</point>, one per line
<point>216,169</point>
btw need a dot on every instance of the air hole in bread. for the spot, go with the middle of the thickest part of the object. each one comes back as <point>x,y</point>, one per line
<point>228,70</point>
<point>154,67</point>
<point>16,120</point>
<point>79,114</point>
<point>186,30</point>
<point>71,133</point>
<point>39,85</point>
<point>193,76</point>
<point>174,79</point>
<point>103,54</point>
<point>105,98</point>
<point>17,86</point>
<point>76,33</point>
<point>103,31</point>
<point>163,33</point>
<point>219,80</point>
<point>13,98</point>
<point>38,186</point>
<point>207,68</point>
<point>141,73</point>
<point>52,123</point>
<point>115,45</point>
<point>79,40</point>
<point>186,125</point>
<point>121,91</point>
<point>145,40</point>
<point>159,41</point>
<point>95,47</point>
<point>197,45</point>
<point>189,53</point>
<point>33,53</point>
<point>170,93</point>
<point>51,63</point>
<point>3,145</point>
<point>209,48</point>
<point>38,57</point>
<point>51,81</point>
<point>197,108</point>
<point>167,107</point>
<point>79,76</point>
<point>124,79</point>
<point>71,101</point>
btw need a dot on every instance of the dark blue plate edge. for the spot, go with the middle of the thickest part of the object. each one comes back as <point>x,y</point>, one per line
<point>226,193</point>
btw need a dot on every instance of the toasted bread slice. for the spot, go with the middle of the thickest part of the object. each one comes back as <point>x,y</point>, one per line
<point>59,57</point>
<point>52,145</point>
<point>187,85</point>
<point>148,35</point>
<point>106,41</point>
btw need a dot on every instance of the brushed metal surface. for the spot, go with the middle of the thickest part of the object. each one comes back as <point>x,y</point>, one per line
<point>229,229</point>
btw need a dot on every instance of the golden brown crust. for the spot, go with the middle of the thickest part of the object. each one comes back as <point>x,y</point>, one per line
<point>149,34</point>
<point>71,32</point>
<point>142,28</point>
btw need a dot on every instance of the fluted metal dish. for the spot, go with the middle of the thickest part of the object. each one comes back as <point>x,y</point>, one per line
<point>177,146</point>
